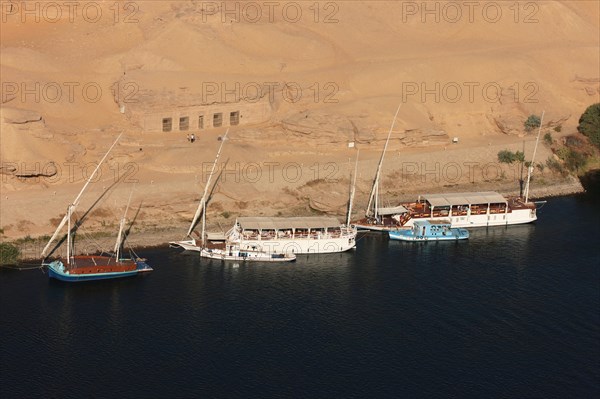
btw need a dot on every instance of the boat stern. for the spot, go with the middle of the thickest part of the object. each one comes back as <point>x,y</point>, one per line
<point>142,266</point>
<point>57,270</point>
<point>187,245</point>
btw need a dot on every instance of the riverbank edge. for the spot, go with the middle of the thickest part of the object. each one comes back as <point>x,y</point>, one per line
<point>156,237</point>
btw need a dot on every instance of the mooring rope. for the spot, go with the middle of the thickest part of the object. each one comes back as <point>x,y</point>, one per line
<point>17,267</point>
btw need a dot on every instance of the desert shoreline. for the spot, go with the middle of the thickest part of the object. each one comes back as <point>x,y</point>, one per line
<point>302,100</point>
<point>144,238</point>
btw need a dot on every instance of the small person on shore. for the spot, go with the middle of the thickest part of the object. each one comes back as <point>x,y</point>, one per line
<point>192,138</point>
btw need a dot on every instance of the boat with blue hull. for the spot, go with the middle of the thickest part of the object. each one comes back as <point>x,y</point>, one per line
<point>430,230</point>
<point>95,267</point>
<point>106,268</point>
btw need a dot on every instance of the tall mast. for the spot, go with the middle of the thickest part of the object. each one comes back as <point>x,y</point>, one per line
<point>375,189</point>
<point>352,190</point>
<point>201,206</point>
<point>376,204</point>
<point>118,244</point>
<point>530,169</point>
<point>69,234</point>
<point>75,203</point>
<point>203,223</point>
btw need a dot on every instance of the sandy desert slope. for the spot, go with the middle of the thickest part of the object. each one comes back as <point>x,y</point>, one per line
<point>332,73</point>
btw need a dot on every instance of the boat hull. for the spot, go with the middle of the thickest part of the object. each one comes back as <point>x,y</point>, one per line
<point>302,246</point>
<point>374,227</point>
<point>521,216</point>
<point>382,224</point>
<point>56,270</point>
<point>292,246</point>
<point>408,235</point>
<point>246,256</point>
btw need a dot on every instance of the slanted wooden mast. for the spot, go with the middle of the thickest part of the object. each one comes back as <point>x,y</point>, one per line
<point>202,205</point>
<point>119,243</point>
<point>374,196</point>
<point>352,190</point>
<point>531,166</point>
<point>71,208</point>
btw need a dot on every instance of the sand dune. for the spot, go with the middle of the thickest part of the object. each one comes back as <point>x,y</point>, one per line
<point>474,76</point>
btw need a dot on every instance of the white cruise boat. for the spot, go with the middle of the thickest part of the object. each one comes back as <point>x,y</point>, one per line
<point>472,209</point>
<point>292,235</point>
<point>477,209</point>
<point>235,253</point>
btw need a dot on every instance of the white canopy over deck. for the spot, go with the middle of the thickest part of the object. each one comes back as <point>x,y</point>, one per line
<point>217,236</point>
<point>280,223</point>
<point>391,211</point>
<point>452,199</point>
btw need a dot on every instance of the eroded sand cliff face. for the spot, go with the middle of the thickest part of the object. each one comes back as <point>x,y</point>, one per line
<point>306,86</point>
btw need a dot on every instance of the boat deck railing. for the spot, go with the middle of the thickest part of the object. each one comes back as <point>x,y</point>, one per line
<point>341,233</point>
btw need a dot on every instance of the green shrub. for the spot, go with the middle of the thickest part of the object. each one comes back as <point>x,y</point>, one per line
<point>548,138</point>
<point>506,156</point>
<point>9,254</point>
<point>555,166</point>
<point>532,122</point>
<point>557,128</point>
<point>589,124</point>
<point>575,161</point>
<point>563,153</point>
<point>520,156</point>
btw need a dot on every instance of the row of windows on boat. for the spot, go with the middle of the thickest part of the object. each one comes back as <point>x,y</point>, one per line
<point>217,121</point>
<point>462,209</point>
<point>297,233</point>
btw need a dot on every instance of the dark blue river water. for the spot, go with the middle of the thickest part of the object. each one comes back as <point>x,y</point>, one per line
<point>510,313</point>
